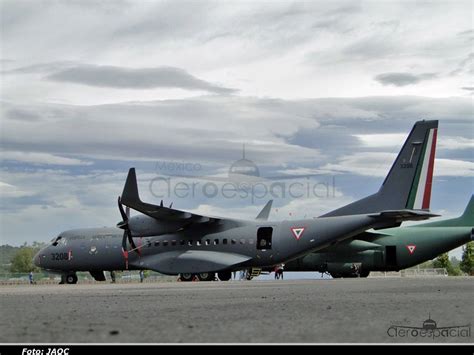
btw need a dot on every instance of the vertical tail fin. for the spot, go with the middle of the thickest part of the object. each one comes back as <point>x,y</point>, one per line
<point>465,220</point>
<point>408,183</point>
<point>468,216</point>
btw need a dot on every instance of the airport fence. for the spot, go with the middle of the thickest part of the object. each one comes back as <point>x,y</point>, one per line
<point>429,272</point>
<point>83,277</point>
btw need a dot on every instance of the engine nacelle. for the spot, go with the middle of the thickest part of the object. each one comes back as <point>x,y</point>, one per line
<point>145,226</point>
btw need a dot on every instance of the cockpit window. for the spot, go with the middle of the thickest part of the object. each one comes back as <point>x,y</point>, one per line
<point>59,241</point>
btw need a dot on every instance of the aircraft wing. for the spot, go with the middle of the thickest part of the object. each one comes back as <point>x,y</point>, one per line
<point>178,261</point>
<point>131,199</point>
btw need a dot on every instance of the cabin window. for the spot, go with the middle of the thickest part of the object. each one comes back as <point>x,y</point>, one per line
<point>224,241</point>
<point>250,241</point>
<point>165,243</point>
<point>198,243</point>
<point>233,241</point>
<point>264,238</point>
<point>242,241</point>
<point>216,241</point>
<point>190,243</point>
<point>173,242</point>
<point>208,242</point>
<point>157,243</point>
<point>182,242</point>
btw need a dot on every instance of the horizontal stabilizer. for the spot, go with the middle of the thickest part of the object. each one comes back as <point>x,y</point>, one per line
<point>394,218</point>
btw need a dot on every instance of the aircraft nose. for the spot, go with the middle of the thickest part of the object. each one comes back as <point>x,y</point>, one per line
<point>37,259</point>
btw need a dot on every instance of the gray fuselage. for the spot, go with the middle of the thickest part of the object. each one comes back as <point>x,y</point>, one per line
<point>251,244</point>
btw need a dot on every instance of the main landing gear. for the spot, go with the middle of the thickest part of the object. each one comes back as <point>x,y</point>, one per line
<point>206,276</point>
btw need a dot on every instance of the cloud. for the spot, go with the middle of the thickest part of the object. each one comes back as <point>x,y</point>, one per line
<point>121,77</point>
<point>470,89</point>
<point>381,140</point>
<point>213,128</point>
<point>8,191</point>
<point>455,143</point>
<point>40,158</point>
<point>21,114</point>
<point>466,33</point>
<point>366,164</point>
<point>396,139</point>
<point>377,164</point>
<point>403,79</point>
<point>465,66</point>
<point>456,168</point>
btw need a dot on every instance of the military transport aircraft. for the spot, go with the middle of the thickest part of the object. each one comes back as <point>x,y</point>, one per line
<point>390,249</point>
<point>175,242</point>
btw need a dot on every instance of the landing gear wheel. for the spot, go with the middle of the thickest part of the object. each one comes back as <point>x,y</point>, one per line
<point>186,277</point>
<point>206,276</point>
<point>224,275</point>
<point>71,279</point>
<point>364,273</point>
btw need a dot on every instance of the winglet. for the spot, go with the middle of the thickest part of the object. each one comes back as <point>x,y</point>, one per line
<point>265,212</point>
<point>130,190</point>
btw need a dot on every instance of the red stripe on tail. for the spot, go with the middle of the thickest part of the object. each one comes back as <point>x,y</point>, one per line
<point>429,177</point>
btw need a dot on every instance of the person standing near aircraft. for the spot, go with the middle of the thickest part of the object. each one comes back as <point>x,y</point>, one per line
<point>280,271</point>
<point>277,272</point>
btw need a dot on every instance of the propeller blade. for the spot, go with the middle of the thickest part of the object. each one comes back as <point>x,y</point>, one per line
<point>132,243</point>
<point>124,248</point>
<point>127,234</point>
<point>122,212</point>
<point>171,205</point>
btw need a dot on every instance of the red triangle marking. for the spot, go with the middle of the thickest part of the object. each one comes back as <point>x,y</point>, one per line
<point>297,232</point>
<point>411,248</point>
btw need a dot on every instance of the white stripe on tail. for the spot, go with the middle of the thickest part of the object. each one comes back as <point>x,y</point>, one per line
<point>423,193</point>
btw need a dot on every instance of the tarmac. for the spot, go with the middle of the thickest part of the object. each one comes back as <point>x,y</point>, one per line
<point>293,311</point>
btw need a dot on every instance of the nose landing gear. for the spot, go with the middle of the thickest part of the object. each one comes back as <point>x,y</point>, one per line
<point>68,279</point>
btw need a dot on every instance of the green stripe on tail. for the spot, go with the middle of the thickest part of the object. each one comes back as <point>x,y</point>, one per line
<point>416,180</point>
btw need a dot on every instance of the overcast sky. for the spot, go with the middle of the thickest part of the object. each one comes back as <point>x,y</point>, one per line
<point>91,88</point>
